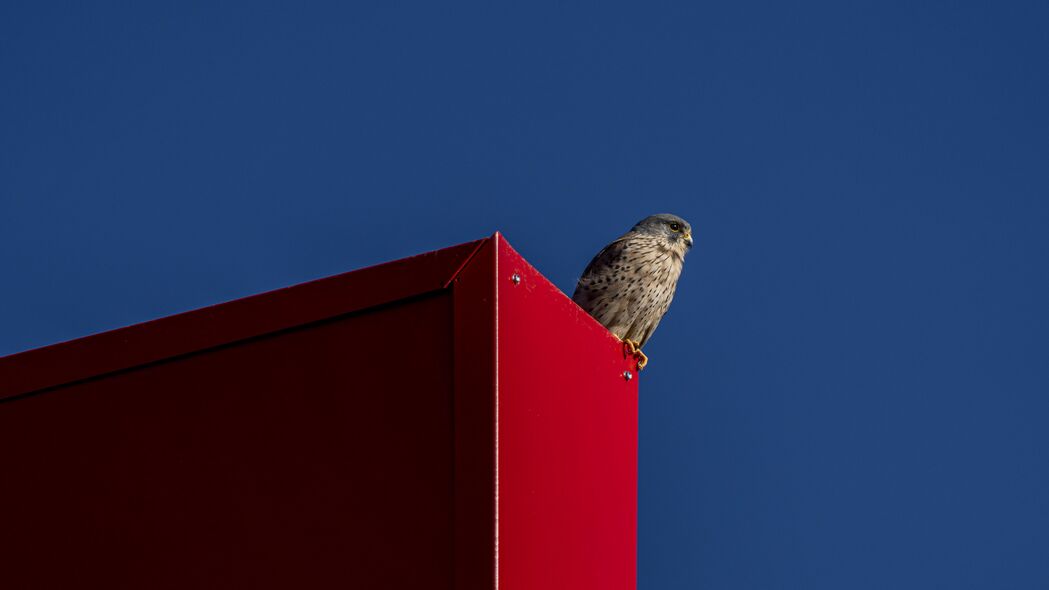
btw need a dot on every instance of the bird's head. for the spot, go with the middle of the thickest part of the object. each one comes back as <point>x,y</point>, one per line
<point>675,231</point>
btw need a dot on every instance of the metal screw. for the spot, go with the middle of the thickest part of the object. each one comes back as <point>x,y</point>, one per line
<point>628,375</point>
<point>515,279</point>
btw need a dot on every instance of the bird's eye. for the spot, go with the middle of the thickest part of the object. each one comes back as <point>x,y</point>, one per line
<point>675,227</point>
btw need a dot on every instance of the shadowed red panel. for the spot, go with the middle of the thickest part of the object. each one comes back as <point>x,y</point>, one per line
<point>320,457</point>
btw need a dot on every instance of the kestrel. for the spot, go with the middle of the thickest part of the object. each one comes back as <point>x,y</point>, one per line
<point>628,286</point>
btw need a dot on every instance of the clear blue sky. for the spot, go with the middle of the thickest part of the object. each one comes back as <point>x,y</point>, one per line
<point>852,388</point>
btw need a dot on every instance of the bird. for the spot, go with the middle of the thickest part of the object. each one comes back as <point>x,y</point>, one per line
<point>629,285</point>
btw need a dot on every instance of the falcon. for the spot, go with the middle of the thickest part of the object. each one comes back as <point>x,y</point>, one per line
<point>628,286</point>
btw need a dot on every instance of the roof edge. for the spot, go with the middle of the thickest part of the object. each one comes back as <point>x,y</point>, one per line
<point>193,331</point>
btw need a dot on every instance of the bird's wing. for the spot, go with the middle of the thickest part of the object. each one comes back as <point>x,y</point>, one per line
<point>597,267</point>
<point>604,258</point>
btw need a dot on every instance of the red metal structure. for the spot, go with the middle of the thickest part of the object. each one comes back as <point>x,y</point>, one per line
<point>450,420</point>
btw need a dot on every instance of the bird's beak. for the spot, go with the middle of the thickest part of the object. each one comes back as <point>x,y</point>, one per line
<point>688,240</point>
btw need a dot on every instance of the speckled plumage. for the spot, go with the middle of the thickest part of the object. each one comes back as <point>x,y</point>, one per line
<point>628,286</point>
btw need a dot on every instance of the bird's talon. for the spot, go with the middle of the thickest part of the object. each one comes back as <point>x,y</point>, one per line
<point>642,360</point>
<point>634,349</point>
<point>630,346</point>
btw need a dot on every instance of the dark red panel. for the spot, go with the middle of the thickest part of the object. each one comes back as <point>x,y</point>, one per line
<point>567,442</point>
<point>224,323</point>
<point>319,457</point>
<point>475,381</point>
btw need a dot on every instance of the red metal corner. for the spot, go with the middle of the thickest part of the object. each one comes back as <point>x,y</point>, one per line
<point>475,374</point>
<point>450,420</point>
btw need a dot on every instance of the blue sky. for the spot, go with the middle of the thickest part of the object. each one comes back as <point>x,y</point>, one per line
<point>852,387</point>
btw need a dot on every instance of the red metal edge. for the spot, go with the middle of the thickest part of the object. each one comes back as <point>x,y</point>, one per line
<point>217,325</point>
<point>475,309</point>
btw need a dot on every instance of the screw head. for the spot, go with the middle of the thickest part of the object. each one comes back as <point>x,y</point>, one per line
<point>515,279</point>
<point>628,375</point>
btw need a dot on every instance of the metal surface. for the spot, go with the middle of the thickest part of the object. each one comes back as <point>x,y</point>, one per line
<point>276,462</point>
<point>421,424</point>
<point>475,380</point>
<point>567,425</point>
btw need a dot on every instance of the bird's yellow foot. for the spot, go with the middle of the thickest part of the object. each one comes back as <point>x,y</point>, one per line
<point>641,358</point>
<point>634,350</point>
